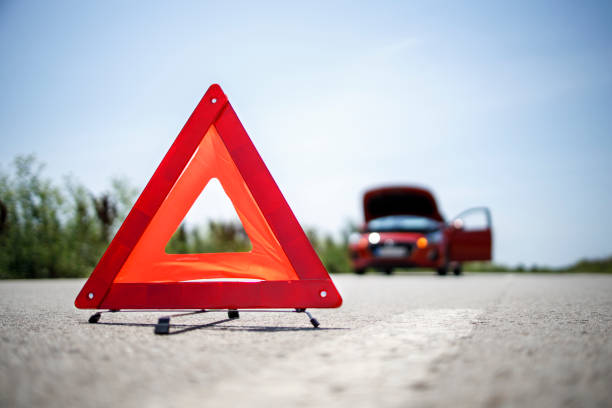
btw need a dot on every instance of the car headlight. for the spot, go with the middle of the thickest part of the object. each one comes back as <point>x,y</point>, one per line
<point>374,238</point>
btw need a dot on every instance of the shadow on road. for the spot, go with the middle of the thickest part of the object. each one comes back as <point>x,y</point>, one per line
<point>183,328</point>
<point>277,328</point>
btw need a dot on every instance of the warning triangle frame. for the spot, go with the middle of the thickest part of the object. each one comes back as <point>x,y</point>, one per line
<point>313,289</point>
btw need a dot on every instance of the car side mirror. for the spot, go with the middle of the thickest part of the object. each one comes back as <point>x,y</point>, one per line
<point>457,224</point>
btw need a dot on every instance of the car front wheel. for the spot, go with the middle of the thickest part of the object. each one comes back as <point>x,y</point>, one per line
<point>458,270</point>
<point>443,270</point>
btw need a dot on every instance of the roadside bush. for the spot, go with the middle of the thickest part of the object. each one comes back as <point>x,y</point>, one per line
<point>48,231</point>
<point>334,255</point>
<point>61,231</point>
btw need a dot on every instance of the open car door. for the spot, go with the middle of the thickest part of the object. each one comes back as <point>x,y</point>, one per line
<point>470,237</point>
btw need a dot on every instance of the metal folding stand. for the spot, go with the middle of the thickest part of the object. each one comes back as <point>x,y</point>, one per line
<point>163,323</point>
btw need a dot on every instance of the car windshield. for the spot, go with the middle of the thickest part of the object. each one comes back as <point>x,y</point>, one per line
<point>403,223</point>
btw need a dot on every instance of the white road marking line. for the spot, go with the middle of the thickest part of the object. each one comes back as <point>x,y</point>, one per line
<point>377,365</point>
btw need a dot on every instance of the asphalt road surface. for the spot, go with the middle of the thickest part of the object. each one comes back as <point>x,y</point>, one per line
<point>404,340</point>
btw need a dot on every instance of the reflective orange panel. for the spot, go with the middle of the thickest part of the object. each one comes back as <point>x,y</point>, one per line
<point>149,262</point>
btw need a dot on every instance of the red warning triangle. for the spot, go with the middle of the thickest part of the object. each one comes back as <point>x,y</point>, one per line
<point>281,271</point>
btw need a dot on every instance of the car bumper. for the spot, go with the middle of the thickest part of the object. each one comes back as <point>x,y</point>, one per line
<point>429,257</point>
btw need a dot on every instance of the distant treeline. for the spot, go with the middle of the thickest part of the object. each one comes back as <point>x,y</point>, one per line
<point>230,237</point>
<point>603,265</point>
<point>60,231</point>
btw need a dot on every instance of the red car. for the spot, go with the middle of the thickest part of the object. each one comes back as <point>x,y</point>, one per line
<point>403,228</point>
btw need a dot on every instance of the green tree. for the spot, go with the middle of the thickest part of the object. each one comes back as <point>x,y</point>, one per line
<point>51,232</point>
<point>31,242</point>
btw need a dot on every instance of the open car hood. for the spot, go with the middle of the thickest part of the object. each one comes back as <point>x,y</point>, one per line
<point>386,201</point>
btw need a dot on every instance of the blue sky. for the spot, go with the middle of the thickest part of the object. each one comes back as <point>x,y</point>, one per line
<point>503,105</point>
